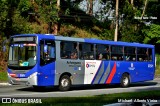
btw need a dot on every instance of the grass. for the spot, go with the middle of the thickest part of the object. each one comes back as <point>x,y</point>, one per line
<point>3,77</point>
<point>95,100</point>
<point>157,71</point>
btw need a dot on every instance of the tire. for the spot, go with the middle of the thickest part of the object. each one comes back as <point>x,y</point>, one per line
<point>64,83</point>
<point>125,80</point>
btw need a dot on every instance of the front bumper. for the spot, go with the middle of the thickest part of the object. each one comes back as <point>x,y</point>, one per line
<point>31,80</point>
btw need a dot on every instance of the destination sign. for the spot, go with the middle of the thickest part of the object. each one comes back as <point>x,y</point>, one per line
<point>22,39</point>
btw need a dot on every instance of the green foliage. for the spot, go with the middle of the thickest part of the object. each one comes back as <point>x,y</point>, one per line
<point>153,8</point>
<point>25,7</point>
<point>152,33</point>
<point>3,15</point>
<point>129,28</point>
<point>157,73</point>
<point>107,34</point>
<point>20,25</point>
<point>48,10</point>
<point>127,10</point>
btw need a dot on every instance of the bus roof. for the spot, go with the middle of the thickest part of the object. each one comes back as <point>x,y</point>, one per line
<point>87,40</point>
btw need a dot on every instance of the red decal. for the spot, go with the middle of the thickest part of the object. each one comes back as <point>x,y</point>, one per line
<point>111,74</point>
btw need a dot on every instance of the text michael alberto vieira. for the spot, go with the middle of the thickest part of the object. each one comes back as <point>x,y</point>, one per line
<point>137,100</point>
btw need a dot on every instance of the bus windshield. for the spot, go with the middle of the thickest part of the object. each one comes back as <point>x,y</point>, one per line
<point>22,55</point>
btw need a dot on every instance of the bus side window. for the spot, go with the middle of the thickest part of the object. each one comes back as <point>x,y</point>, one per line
<point>142,54</point>
<point>64,53</point>
<point>149,54</point>
<point>102,52</point>
<point>117,52</point>
<point>129,53</point>
<point>86,51</point>
<point>69,50</point>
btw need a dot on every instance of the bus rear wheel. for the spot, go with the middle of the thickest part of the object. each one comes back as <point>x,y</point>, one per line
<point>64,83</point>
<point>125,80</point>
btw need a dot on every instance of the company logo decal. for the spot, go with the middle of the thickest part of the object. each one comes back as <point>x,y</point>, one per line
<point>90,64</point>
<point>87,65</point>
<point>150,65</point>
<point>132,67</point>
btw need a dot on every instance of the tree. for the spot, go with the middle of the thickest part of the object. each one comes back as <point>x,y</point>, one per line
<point>152,33</point>
<point>116,29</point>
<point>3,15</point>
<point>90,7</point>
<point>48,11</point>
<point>12,5</point>
<point>152,11</point>
<point>144,9</point>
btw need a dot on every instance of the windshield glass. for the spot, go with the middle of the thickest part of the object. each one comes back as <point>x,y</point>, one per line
<point>22,55</point>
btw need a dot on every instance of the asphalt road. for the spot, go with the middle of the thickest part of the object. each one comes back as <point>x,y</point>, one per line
<point>76,91</point>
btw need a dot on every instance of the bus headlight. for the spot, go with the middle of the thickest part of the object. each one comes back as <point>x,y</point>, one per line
<point>32,75</point>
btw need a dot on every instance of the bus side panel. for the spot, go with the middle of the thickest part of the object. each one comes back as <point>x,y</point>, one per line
<point>121,68</point>
<point>144,71</point>
<point>69,66</point>
<point>138,71</point>
<point>46,76</point>
<point>105,73</point>
<point>102,72</point>
<point>113,76</point>
<point>74,67</point>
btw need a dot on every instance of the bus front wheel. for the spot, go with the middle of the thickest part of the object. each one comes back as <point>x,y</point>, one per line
<point>65,83</point>
<point>125,80</point>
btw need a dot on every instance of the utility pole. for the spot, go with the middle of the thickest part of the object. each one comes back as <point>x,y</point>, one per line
<point>116,29</point>
<point>144,9</point>
<point>50,23</point>
<point>132,2</point>
<point>56,24</point>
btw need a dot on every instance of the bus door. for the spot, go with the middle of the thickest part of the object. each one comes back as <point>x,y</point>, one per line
<point>47,63</point>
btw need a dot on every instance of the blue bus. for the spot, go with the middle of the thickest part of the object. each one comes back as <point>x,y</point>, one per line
<point>47,60</point>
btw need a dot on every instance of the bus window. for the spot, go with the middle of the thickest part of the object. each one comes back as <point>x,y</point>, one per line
<point>86,51</point>
<point>129,53</point>
<point>149,53</point>
<point>102,52</point>
<point>117,53</point>
<point>69,50</point>
<point>47,54</point>
<point>142,54</point>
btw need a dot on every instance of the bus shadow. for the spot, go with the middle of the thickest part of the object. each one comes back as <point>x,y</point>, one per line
<point>139,84</point>
<point>86,87</point>
<point>40,89</point>
<point>104,86</point>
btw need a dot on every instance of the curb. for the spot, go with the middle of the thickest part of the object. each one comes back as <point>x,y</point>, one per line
<point>4,84</point>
